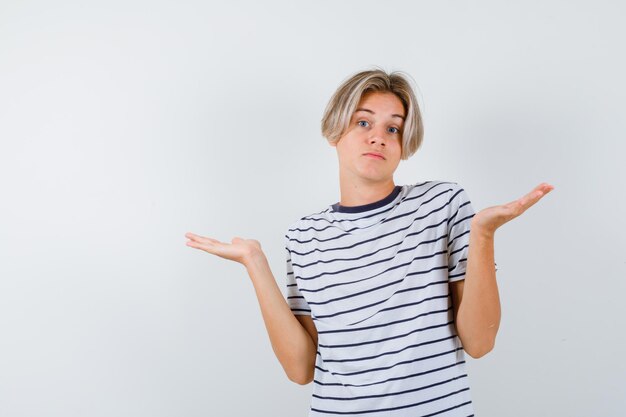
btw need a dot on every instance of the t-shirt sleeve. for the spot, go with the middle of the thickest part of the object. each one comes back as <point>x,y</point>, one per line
<point>295,300</point>
<point>460,213</point>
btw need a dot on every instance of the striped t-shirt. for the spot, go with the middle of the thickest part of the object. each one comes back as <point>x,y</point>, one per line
<point>374,279</point>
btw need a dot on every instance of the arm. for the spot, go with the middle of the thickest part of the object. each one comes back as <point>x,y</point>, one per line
<point>294,340</point>
<point>476,301</point>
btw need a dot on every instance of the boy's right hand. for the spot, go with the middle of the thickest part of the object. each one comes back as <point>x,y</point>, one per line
<point>239,250</point>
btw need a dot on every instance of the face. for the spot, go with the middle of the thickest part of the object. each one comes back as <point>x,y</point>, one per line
<point>371,147</point>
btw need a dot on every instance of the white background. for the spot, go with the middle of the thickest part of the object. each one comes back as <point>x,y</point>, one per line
<point>125,124</point>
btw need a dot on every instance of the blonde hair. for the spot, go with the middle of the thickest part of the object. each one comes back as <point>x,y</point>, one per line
<point>343,103</point>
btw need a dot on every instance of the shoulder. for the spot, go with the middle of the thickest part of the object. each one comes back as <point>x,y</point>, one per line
<point>433,188</point>
<point>305,226</point>
<point>442,195</point>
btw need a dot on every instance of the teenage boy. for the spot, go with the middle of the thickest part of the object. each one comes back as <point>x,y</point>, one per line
<point>387,288</point>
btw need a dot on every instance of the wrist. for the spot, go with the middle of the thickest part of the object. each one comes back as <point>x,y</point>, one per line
<point>254,260</point>
<point>479,231</point>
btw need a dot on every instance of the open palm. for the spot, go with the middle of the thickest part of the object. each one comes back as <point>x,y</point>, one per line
<point>239,250</point>
<point>491,218</point>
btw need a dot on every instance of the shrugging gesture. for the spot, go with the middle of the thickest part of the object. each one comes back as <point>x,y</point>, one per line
<point>489,219</point>
<point>293,342</point>
<point>475,299</point>
<point>239,250</point>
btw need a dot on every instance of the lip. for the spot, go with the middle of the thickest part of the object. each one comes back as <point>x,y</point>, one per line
<point>374,155</point>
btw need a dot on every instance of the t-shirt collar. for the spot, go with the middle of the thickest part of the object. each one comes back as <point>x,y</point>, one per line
<point>370,206</point>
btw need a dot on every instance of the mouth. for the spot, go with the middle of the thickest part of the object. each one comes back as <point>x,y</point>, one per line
<point>374,155</point>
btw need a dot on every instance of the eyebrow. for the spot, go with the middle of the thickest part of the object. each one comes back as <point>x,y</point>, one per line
<point>369,111</point>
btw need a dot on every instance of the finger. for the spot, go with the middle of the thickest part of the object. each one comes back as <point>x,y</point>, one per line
<point>199,238</point>
<point>524,203</point>
<point>197,245</point>
<point>544,188</point>
<point>536,194</point>
<point>209,247</point>
<point>192,243</point>
<point>192,236</point>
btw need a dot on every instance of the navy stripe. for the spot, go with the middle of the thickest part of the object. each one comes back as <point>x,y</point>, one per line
<point>339,313</point>
<point>380,287</point>
<point>341,271</point>
<point>393,352</point>
<point>462,234</point>
<point>463,220</point>
<point>362,242</point>
<point>458,250</point>
<point>396,378</point>
<point>364,397</point>
<point>458,262</point>
<point>444,236</point>
<point>385,324</point>
<point>384,368</point>
<point>374,214</point>
<point>451,218</point>
<point>449,409</point>
<point>374,276</point>
<point>402,306</point>
<point>399,336</point>
<point>384,235</point>
<point>421,204</point>
<point>453,276</point>
<point>400,407</point>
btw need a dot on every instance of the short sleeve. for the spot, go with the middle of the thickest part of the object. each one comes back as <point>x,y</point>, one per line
<point>295,300</point>
<point>460,213</point>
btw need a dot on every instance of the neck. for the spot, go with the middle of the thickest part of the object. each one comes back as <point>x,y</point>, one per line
<point>361,192</point>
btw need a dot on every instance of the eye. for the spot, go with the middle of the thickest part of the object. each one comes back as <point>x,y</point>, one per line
<point>393,130</point>
<point>363,123</point>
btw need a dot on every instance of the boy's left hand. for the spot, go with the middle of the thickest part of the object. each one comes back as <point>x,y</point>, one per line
<point>488,220</point>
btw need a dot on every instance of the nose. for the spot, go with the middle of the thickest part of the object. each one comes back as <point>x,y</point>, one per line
<point>378,136</point>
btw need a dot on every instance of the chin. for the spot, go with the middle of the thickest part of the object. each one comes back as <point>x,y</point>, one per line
<point>369,173</point>
<point>376,178</point>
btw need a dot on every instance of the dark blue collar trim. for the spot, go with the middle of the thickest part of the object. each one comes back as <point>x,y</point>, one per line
<point>365,207</point>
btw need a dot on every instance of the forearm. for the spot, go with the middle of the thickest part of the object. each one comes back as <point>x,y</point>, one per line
<point>290,341</point>
<point>478,317</point>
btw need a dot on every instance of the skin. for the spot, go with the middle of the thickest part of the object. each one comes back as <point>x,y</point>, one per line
<point>376,126</point>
